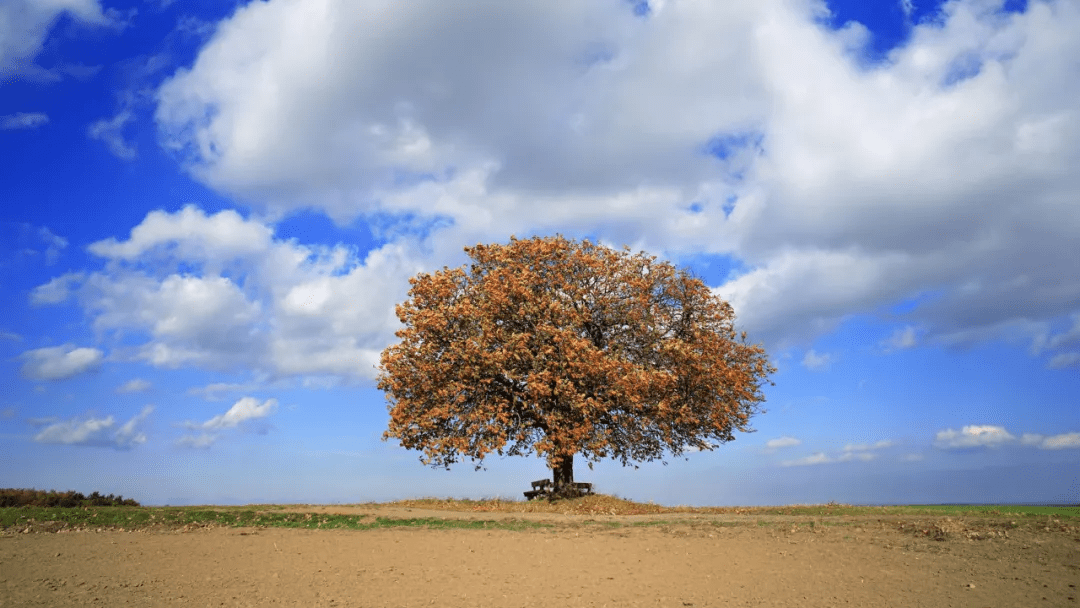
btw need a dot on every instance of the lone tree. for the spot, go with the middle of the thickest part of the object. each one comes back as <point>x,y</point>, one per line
<point>560,347</point>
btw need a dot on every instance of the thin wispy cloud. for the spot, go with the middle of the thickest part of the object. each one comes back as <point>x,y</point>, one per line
<point>27,26</point>
<point>97,432</point>
<point>245,410</point>
<point>865,447</point>
<point>817,362</point>
<point>822,458</point>
<point>852,452</point>
<point>23,120</point>
<point>110,131</point>
<point>216,391</point>
<point>135,385</point>
<point>908,7</point>
<point>901,339</point>
<point>60,362</point>
<point>57,290</point>
<point>782,442</point>
<point>1064,441</point>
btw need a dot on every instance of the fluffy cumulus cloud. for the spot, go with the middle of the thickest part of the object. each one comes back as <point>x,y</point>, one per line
<point>245,410</point>
<point>741,129</point>
<point>943,175</point>
<point>973,436</point>
<point>99,432</point>
<point>60,362</point>
<point>220,292</point>
<point>990,436</point>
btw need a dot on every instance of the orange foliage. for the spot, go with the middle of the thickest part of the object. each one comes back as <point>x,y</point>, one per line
<point>560,347</point>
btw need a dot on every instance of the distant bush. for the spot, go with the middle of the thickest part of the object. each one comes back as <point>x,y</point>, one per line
<point>10,497</point>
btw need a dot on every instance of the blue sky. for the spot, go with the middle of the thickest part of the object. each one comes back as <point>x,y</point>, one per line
<point>211,208</point>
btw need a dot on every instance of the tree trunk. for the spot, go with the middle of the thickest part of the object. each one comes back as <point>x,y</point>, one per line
<point>562,473</point>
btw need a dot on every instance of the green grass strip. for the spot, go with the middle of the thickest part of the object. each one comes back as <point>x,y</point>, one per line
<point>176,517</point>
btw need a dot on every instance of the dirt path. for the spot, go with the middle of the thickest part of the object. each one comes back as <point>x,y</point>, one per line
<point>694,563</point>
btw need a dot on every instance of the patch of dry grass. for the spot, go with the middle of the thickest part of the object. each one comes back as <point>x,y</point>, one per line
<point>596,504</point>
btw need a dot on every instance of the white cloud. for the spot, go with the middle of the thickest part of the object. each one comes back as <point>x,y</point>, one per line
<point>782,442</point>
<point>7,335</point>
<point>908,7</point>
<point>817,458</point>
<point>217,390</point>
<point>54,244</point>
<point>135,385</point>
<point>206,322</point>
<point>24,25</point>
<point>76,431</point>
<point>865,447</point>
<point>130,434</point>
<point>1064,360</point>
<point>202,440</point>
<point>1061,442</point>
<point>844,189</point>
<point>861,452</point>
<point>247,408</point>
<point>853,187</point>
<point>816,362</point>
<point>7,412</point>
<point>29,240</point>
<point>111,132</point>
<point>220,292</point>
<point>23,120</point>
<point>1069,337</point>
<point>97,431</point>
<point>1031,439</point>
<point>56,290</point>
<point>972,436</point>
<point>901,339</point>
<point>861,456</point>
<point>190,235</point>
<point>1054,442</point>
<point>244,410</point>
<point>60,362</point>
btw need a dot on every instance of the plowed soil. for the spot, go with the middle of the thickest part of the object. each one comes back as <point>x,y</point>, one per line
<point>697,560</point>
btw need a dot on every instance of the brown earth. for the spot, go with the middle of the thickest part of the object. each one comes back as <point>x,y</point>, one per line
<point>672,560</point>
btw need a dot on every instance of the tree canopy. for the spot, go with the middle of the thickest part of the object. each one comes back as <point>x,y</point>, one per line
<point>559,347</point>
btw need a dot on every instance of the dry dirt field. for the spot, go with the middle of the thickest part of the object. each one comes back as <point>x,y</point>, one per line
<point>579,560</point>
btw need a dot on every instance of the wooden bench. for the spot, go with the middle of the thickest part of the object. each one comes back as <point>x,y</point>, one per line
<point>584,488</point>
<point>544,487</point>
<point>540,487</point>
